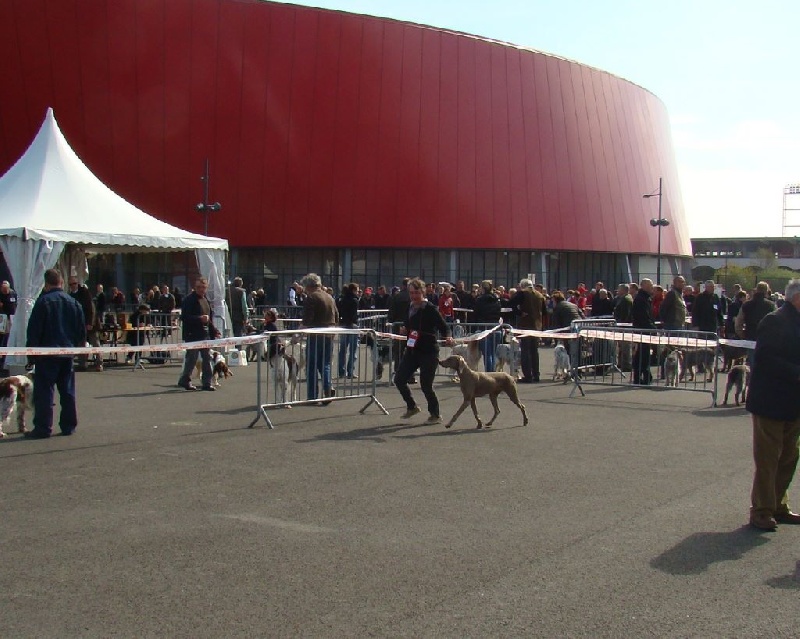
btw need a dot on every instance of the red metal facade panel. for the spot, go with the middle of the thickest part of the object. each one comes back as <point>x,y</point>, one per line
<point>331,129</point>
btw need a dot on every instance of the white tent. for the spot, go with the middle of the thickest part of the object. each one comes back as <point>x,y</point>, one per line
<point>53,208</point>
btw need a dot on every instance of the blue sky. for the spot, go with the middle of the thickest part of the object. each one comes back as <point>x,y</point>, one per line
<point>727,72</point>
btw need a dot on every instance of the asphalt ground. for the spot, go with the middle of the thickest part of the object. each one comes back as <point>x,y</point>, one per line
<point>620,514</point>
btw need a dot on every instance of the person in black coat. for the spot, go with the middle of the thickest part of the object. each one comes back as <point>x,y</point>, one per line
<point>420,326</point>
<point>197,318</point>
<point>486,310</point>
<point>774,402</point>
<point>642,317</point>
<point>347,305</point>
<point>707,310</point>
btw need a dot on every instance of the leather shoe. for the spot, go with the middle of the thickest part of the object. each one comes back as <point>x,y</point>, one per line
<point>787,517</point>
<point>208,388</point>
<point>763,522</point>
<point>188,386</point>
<point>32,434</point>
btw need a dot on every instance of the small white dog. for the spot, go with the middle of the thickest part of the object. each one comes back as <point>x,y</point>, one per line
<point>296,349</point>
<point>507,355</point>
<point>561,365</point>
<point>16,392</point>
<point>673,368</point>
<point>470,352</point>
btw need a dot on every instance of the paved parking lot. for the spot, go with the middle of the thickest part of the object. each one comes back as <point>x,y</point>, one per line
<point>618,514</point>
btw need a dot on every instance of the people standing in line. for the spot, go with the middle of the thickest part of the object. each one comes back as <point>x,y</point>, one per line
<point>707,310</point>
<point>486,310</point>
<point>197,318</point>
<point>80,293</point>
<point>421,325</point>
<point>239,310</point>
<point>56,321</point>
<point>8,306</point>
<point>642,317</point>
<point>673,309</point>
<point>774,403</point>
<point>347,306</point>
<point>530,306</point>
<point>319,311</point>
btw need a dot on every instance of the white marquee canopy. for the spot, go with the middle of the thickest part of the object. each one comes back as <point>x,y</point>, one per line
<point>53,208</point>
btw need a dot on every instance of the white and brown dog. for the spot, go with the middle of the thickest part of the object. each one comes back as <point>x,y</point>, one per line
<point>562,367</point>
<point>16,392</point>
<point>219,368</point>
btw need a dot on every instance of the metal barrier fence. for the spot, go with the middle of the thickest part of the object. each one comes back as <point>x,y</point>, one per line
<point>615,356</point>
<point>316,367</point>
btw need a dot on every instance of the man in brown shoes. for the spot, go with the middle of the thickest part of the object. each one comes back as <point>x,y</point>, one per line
<point>774,402</point>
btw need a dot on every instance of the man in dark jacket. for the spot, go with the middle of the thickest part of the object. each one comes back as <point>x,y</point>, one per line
<point>56,320</point>
<point>530,306</point>
<point>347,305</point>
<point>642,317</point>
<point>774,402</point>
<point>707,310</point>
<point>197,318</point>
<point>753,311</point>
<point>238,306</point>
<point>486,311</point>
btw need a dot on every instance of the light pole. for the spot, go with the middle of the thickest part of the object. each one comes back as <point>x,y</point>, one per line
<point>658,222</point>
<point>204,207</point>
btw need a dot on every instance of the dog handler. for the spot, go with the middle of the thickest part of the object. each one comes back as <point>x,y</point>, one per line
<point>421,325</point>
<point>56,320</point>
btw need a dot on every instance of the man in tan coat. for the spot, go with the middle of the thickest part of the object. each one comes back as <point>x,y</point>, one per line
<point>529,305</point>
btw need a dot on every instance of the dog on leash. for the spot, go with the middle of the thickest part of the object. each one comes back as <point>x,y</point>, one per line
<point>219,368</point>
<point>257,350</point>
<point>474,384</point>
<point>738,378</point>
<point>673,368</point>
<point>562,367</point>
<point>16,393</point>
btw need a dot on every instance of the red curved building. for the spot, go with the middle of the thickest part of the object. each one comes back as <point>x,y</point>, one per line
<point>359,147</point>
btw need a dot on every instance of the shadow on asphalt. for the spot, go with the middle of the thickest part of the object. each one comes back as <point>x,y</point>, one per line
<point>399,431</point>
<point>784,582</point>
<point>695,554</point>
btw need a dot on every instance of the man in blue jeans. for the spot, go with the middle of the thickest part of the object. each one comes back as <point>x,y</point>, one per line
<point>56,321</point>
<point>319,311</point>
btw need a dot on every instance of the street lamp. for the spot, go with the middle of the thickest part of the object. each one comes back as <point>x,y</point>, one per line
<point>204,207</point>
<point>658,222</point>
